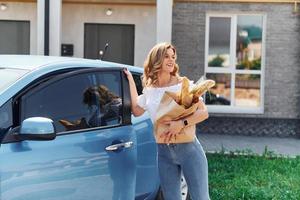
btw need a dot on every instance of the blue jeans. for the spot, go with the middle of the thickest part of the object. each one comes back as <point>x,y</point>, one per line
<point>188,158</point>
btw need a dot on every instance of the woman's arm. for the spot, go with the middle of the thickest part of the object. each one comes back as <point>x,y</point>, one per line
<point>176,125</point>
<point>198,116</point>
<point>135,108</point>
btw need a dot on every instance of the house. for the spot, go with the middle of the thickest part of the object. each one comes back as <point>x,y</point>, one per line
<point>249,47</point>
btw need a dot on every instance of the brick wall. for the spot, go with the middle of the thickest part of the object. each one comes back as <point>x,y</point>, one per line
<point>281,115</point>
<point>250,126</point>
<point>282,61</point>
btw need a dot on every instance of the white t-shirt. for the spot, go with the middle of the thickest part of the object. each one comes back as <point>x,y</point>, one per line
<point>151,97</point>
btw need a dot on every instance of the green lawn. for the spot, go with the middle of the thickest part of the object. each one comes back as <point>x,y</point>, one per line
<point>233,177</point>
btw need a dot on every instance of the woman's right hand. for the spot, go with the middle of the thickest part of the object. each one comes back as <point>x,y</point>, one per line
<point>127,73</point>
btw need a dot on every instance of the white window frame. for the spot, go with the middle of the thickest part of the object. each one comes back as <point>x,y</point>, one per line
<point>231,69</point>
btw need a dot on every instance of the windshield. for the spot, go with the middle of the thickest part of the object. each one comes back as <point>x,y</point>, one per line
<point>9,76</point>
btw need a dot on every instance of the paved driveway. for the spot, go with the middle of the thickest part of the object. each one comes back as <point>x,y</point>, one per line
<point>285,146</point>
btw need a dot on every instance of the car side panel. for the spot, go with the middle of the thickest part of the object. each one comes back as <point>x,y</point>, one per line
<point>147,180</point>
<point>73,166</point>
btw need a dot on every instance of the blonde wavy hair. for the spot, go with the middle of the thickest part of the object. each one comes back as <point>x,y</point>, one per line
<point>153,63</point>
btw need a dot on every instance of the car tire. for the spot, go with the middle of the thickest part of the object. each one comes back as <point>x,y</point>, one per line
<point>184,191</point>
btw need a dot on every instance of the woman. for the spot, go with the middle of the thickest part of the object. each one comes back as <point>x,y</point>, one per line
<point>160,75</point>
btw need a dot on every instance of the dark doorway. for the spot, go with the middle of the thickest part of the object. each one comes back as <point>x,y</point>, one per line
<point>120,40</point>
<point>14,37</point>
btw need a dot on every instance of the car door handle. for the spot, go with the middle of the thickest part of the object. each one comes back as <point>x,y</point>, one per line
<point>115,147</point>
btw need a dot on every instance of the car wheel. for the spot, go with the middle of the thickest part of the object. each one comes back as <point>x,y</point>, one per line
<point>184,191</point>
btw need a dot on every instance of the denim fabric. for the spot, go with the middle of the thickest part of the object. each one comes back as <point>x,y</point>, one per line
<point>186,158</point>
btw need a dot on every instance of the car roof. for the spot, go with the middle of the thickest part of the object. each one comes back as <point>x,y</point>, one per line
<point>35,66</point>
<point>32,62</point>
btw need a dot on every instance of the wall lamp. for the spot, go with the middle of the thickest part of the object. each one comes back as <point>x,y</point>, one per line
<point>3,6</point>
<point>109,12</point>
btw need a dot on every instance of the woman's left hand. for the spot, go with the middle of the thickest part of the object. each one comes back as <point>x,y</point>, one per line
<point>174,129</point>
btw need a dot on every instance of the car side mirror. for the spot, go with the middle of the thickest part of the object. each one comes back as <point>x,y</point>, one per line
<point>37,128</point>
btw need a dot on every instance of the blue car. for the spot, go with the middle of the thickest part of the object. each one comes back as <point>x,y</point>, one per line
<point>67,132</point>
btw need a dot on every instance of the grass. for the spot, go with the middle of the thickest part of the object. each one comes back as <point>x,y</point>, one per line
<point>250,176</point>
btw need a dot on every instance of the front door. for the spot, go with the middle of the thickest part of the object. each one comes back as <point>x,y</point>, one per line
<point>87,108</point>
<point>119,39</point>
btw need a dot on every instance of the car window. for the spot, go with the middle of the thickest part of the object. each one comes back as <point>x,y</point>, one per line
<point>138,82</point>
<point>75,102</point>
<point>5,118</point>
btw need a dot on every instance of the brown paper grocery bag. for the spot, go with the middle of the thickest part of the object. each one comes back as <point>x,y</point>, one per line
<point>170,110</point>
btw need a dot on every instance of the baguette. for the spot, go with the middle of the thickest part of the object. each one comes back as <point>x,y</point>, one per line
<point>202,87</point>
<point>185,97</point>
